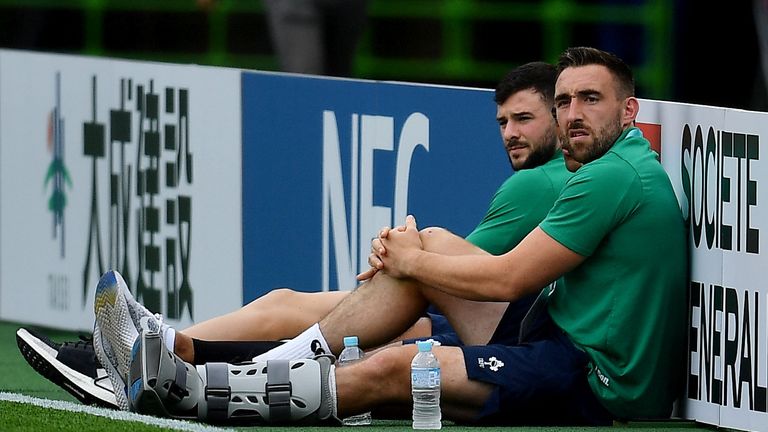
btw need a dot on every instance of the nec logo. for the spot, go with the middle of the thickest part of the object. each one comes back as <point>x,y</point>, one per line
<point>350,216</point>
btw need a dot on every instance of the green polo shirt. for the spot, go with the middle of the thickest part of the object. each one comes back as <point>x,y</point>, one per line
<point>625,305</point>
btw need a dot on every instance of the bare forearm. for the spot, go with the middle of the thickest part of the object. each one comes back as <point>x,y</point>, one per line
<point>536,261</point>
<point>472,277</point>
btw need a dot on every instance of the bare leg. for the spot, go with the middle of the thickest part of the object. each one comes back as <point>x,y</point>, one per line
<point>184,347</point>
<point>383,380</point>
<point>474,321</point>
<point>284,313</point>
<point>279,314</point>
<point>384,307</point>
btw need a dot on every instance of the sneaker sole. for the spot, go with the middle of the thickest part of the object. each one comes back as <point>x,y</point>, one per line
<point>111,343</point>
<point>42,358</point>
<point>114,376</point>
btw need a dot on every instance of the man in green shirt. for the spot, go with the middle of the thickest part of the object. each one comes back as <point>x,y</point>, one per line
<point>624,305</point>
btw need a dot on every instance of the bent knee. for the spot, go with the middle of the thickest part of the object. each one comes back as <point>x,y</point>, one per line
<point>436,239</point>
<point>432,237</point>
<point>431,232</point>
<point>276,297</point>
<point>280,295</point>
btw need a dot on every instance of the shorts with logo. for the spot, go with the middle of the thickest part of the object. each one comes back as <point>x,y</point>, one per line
<point>539,380</point>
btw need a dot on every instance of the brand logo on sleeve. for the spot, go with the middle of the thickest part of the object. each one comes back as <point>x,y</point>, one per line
<point>493,363</point>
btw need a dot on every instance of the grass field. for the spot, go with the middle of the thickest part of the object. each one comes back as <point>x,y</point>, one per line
<point>28,402</point>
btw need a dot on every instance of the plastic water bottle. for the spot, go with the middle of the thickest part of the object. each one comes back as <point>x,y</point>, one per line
<point>351,354</point>
<point>425,387</point>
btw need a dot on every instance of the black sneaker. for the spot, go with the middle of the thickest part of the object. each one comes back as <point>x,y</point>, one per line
<point>70,365</point>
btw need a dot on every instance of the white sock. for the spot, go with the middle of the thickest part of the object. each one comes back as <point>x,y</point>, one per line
<point>169,336</point>
<point>302,346</point>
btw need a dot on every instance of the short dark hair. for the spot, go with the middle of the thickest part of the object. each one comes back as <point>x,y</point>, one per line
<point>538,76</point>
<point>585,56</point>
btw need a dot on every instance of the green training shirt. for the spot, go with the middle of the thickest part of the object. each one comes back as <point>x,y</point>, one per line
<point>519,205</point>
<point>625,304</point>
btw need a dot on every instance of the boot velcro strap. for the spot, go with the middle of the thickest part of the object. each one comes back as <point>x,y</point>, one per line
<point>217,391</point>
<point>178,389</point>
<point>278,390</point>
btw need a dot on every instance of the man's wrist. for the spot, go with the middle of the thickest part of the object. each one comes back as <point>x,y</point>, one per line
<point>413,263</point>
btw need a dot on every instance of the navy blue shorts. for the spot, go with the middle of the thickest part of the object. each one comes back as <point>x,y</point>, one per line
<point>539,381</point>
<point>538,374</point>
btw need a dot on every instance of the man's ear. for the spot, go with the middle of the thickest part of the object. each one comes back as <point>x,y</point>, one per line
<point>631,109</point>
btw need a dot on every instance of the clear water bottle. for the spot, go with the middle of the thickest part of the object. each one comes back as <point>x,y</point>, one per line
<point>351,354</point>
<point>425,387</point>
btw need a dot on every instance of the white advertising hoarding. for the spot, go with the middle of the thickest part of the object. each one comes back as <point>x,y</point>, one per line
<point>116,164</point>
<point>712,156</point>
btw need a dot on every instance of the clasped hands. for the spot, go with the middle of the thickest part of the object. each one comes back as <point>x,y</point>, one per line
<point>393,250</point>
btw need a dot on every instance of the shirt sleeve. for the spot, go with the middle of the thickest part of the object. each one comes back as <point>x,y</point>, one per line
<point>518,206</point>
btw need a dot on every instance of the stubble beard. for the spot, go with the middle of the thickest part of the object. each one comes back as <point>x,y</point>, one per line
<point>603,140</point>
<point>540,155</point>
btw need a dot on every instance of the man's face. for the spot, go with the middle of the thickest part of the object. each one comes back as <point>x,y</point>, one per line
<point>590,115</point>
<point>527,128</point>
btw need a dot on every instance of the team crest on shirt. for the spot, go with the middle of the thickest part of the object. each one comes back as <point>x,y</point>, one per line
<point>493,363</point>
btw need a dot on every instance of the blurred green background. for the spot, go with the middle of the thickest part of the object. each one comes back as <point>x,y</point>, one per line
<point>681,50</point>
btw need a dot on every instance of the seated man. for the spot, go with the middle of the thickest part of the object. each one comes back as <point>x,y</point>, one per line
<point>524,100</point>
<point>609,346</point>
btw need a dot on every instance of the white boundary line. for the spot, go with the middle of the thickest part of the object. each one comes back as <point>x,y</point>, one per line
<point>110,414</point>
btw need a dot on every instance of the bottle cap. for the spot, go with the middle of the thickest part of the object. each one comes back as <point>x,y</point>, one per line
<point>350,341</point>
<point>424,346</point>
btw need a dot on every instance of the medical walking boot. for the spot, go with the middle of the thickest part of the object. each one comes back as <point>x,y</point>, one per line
<point>271,392</point>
